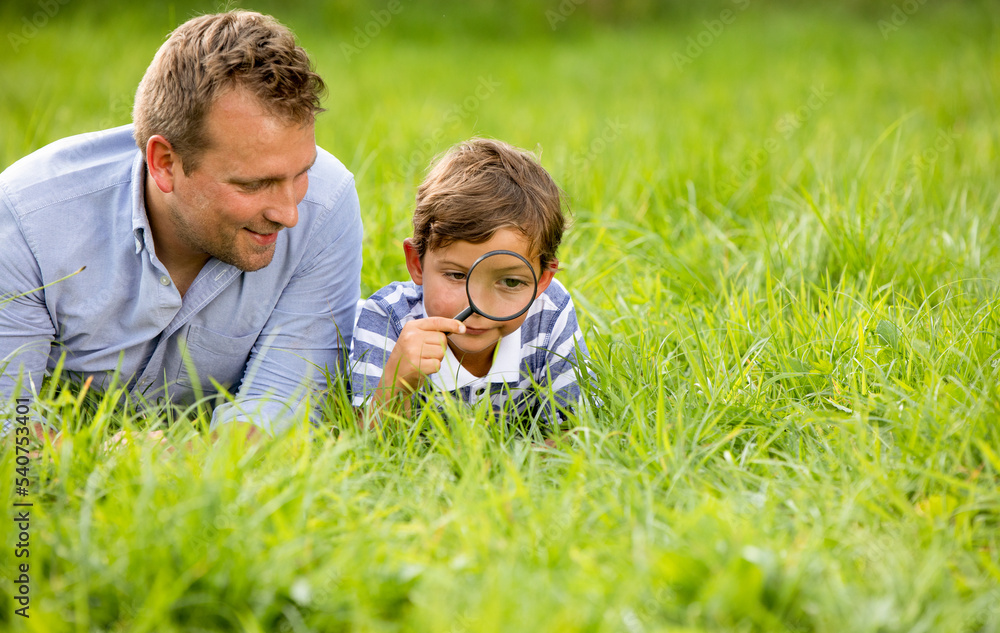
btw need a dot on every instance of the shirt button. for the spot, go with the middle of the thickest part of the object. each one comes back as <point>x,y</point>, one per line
<point>165,280</point>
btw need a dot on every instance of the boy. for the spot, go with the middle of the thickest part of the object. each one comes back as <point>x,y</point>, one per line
<point>484,195</point>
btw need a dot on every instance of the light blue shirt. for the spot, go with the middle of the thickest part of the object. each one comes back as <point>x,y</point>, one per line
<point>266,335</point>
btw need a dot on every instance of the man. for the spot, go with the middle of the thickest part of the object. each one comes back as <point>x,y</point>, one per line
<point>219,244</point>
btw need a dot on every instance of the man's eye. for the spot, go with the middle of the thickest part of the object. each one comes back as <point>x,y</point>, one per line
<point>252,187</point>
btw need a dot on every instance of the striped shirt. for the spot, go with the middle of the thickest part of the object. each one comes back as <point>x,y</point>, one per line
<point>534,361</point>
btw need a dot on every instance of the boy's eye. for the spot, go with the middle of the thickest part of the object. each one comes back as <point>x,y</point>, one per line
<point>512,283</point>
<point>455,276</point>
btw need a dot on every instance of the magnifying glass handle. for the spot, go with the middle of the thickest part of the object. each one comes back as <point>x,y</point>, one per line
<point>464,314</point>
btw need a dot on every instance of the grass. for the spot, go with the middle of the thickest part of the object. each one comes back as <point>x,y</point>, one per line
<point>785,255</point>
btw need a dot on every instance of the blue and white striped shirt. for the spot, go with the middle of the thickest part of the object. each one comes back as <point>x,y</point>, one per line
<point>537,359</point>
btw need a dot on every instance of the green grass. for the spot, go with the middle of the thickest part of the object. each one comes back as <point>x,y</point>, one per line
<point>793,312</point>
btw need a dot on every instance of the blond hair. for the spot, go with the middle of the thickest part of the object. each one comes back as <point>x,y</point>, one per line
<point>481,186</point>
<point>211,54</point>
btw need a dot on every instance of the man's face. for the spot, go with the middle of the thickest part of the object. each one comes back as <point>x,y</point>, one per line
<point>247,184</point>
<point>442,274</point>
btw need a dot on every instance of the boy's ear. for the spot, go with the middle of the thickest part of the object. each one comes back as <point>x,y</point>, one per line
<point>546,277</point>
<point>413,263</point>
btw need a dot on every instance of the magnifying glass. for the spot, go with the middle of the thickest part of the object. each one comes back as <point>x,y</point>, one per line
<point>500,285</point>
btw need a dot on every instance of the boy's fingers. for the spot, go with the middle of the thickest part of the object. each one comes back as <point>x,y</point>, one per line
<point>441,324</point>
<point>430,366</point>
<point>434,345</point>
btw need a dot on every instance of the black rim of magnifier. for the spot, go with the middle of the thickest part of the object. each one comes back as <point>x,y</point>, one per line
<point>466,313</point>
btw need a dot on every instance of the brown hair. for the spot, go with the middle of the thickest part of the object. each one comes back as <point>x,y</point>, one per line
<point>210,54</point>
<point>483,185</point>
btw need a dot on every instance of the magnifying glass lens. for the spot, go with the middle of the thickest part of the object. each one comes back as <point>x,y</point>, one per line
<point>501,286</point>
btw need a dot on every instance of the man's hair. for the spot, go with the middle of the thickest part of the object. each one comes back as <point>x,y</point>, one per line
<point>210,55</point>
<point>481,186</point>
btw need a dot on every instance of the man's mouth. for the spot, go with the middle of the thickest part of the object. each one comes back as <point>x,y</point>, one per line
<point>264,239</point>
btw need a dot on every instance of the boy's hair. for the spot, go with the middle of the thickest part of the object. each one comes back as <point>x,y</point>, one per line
<point>210,54</point>
<point>481,186</point>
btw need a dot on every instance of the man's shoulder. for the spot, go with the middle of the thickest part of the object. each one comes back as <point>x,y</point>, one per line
<point>69,168</point>
<point>329,180</point>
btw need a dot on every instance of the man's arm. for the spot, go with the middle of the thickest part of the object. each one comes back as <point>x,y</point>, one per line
<point>309,330</point>
<point>26,329</point>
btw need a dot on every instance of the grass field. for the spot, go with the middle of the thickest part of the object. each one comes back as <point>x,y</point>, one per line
<point>785,253</point>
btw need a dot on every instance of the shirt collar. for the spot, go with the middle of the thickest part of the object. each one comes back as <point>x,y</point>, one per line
<point>142,233</point>
<point>505,368</point>
<point>140,221</point>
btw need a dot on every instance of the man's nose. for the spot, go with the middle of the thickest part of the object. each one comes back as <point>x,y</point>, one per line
<point>284,207</point>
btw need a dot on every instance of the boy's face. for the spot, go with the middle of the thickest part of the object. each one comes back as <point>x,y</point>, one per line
<point>442,274</point>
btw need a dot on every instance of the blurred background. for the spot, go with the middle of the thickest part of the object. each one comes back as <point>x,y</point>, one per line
<point>643,110</point>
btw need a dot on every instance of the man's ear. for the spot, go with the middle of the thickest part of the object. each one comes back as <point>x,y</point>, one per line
<point>163,162</point>
<point>413,263</point>
<point>546,277</point>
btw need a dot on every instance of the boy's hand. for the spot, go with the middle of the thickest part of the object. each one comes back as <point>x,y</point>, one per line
<point>418,353</point>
